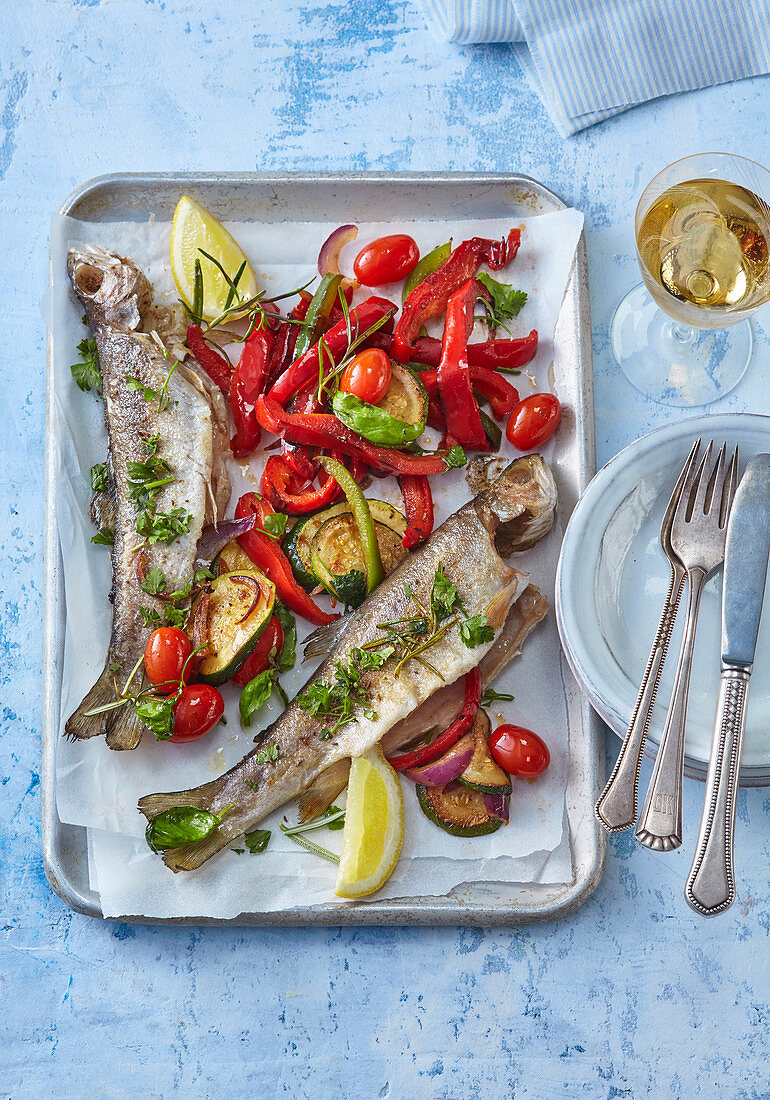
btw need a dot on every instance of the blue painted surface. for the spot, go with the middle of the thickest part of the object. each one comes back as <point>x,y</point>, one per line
<point>632,996</point>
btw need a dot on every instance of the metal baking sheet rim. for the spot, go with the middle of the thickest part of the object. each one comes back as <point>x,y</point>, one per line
<point>479,904</point>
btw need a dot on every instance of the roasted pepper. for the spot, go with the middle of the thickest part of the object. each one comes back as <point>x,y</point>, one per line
<point>501,395</point>
<point>317,314</point>
<point>451,734</point>
<point>212,362</point>
<point>454,379</point>
<point>363,519</point>
<point>418,505</point>
<point>429,299</point>
<point>296,495</point>
<point>248,383</point>
<point>499,355</point>
<point>425,267</point>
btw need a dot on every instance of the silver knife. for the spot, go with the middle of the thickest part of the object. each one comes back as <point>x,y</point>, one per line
<point>710,887</point>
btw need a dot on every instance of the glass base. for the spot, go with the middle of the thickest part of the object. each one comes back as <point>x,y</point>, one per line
<point>674,364</point>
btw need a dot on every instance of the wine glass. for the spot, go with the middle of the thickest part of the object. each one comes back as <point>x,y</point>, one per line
<point>702,226</point>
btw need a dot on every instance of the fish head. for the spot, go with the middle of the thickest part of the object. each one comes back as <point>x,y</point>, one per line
<point>113,290</point>
<point>518,506</point>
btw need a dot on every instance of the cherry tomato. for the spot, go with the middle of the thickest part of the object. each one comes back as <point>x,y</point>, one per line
<point>534,420</point>
<point>258,660</point>
<point>367,375</point>
<point>196,711</point>
<point>166,651</point>
<point>386,260</point>
<point>520,751</point>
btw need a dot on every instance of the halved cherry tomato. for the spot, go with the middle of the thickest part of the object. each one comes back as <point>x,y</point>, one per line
<point>386,260</point>
<point>519,751</point>
<point>367,375</point>
<point>196,711</point>
<point>258,660</point>
<point>165,653</point>
<point>534,420</point>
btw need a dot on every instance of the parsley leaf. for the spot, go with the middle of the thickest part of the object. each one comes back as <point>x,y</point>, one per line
<point>150,616</point>
<point>255,694</point>
<point>455,457</point>
<point>104,538</point>
<point>443,597</point>
<point>257,841</point>
<point>146,479</point>
<point>506,302</point>
<point>475,631</point>
<point>275,524</point>
<point>339,822</point>
<point>288,655</point>
<point>269,755</point>
<point>86,373</point>
<point>174,616</point>
<point>147,392</point>
<point>491,696</point>
<point>151,444</point>
<point>163,526</point>
<point>99,477</point>
<point>158,715</point>
<point>154,581</point>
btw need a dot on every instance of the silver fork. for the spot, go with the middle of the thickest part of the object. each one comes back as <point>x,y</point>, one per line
<point>617,806</point>
<point>698,535</point>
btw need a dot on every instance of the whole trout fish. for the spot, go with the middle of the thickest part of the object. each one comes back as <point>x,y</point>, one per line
<point>158,409</point>
<point>523,497</point>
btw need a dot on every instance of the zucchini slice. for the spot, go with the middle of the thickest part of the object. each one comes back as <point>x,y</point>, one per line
<point>337,557</point>
<point>296,544</point>
<point>482,773</point>
<point>397,420</point>
<point>232,559</point>
<point>240,606</point>
<point>457,810</point>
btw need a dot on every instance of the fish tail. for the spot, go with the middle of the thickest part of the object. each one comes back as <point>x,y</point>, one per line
<point>193,855</point>
<point>124,728</point>
<point>319,796</point>
<point>80,724</point>
<point>202,797</point>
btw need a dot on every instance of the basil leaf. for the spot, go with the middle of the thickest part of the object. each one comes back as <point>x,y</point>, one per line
<point>455,457</point>
<point>179,826</point>
<point>158,715</point>
<point>103,538</point>
<point>255,694</point>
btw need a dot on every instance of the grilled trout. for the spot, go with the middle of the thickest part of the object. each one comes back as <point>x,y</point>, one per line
<point>296,749</point>
<point>155,408</point>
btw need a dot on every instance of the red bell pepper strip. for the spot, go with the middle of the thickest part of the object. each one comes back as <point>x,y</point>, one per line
<point>212,362</point>
<point>299,459</point>
<point>493,354</point>
<point>280,486</point>
<point>268,556</point>
<point>248,384</point>
<point>501,395</point>
<point>454,379</point>
<point>436,418</point>
<point>451,734</point>
<point>335,342</point>
<point>430,297</point>
<point>326,431</point>
<point>418,505</point>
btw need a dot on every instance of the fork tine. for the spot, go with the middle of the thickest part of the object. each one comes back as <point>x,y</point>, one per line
<point>728,489</point>
<point>684,508</point>
<point>716,480</point>
<point>698,498</point>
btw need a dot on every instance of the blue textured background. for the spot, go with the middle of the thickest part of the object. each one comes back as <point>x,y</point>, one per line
<point>632,996</point>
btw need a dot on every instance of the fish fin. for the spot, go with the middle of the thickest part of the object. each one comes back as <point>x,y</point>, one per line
<point>497,610</point>
<point>193,855</point>
<point>323,640</point>
<point>203,797</point>
<point>319,796</point>
<point>79,726</point>
<point>124,728</point>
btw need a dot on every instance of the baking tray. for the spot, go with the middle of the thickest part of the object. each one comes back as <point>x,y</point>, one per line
<point>353,197</point>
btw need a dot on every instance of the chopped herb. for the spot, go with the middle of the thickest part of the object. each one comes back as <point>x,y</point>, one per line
<point>174,616</point>
<point>491,696</point>
<point>147,392</point>
<point>87,373</point>
<point>255,694</point>
<point>114,666</point>
<point>104,538</point>
<point>157,714</point>
<point>154,581</point>
<point>506,302</point>
<point>337,817</point>
<point>202,575</point>
<point>443,597</point>
<point>163,527</point>
<point>257,841</point>
<point>269,755</point>
<point>99,477</point>
<point>150,616</point>
<point>151,444</point>
<point>475,631</point>
<point>275,524</point>
<point>146,479</point>
<point>455,457</point>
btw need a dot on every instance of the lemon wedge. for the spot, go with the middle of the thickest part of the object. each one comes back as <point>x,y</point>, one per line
<point>192,229</point>
<point>374,826</point>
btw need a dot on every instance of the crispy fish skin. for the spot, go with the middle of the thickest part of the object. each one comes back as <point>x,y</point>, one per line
<point>464,549</point>
<point>115,295</point>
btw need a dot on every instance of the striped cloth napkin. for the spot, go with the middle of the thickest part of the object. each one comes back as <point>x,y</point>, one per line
<point>590,59</point>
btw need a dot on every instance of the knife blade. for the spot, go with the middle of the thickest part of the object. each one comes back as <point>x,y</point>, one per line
<point>710,886</point>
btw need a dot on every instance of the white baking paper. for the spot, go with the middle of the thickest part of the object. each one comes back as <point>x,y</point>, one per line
<point>99,789</point>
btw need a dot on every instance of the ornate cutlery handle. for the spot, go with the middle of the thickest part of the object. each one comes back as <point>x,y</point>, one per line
<point>617,806</point>
<point>711,885</point>
<point>660,823</point>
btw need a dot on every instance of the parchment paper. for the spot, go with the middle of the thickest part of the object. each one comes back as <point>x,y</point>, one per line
<point>98,788</point>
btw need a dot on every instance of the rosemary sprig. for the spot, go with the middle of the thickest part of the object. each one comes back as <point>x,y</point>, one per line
<point>309,846</point>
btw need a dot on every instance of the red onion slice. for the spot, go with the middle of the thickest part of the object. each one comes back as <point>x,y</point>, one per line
<point>213,539</point>
<point>447,767</point>
<point>329,256</point>
<point>496,805</point>
<point>252,582</point>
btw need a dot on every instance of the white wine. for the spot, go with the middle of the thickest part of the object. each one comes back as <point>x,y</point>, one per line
<point>704,243</point>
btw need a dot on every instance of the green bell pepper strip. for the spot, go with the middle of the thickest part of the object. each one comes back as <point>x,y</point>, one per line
<point>425,267</point>
<point>374,423</point>
<point>363,517</point>
<point>317,312</point>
